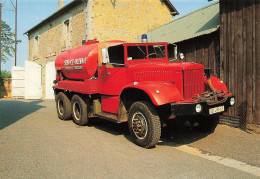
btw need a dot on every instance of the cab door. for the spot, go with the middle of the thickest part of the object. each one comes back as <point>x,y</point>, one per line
<point>112,74</point>
<point>112,78</point>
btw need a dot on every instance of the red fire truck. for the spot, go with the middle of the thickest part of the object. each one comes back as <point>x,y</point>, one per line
<point>143,84</point>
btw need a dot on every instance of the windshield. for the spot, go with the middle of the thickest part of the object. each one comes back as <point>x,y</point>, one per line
<point>139,52</point>
<point>136,52</point>
<point>156,51</point>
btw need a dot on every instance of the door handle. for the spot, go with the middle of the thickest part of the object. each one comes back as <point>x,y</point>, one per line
<point>109,73</point>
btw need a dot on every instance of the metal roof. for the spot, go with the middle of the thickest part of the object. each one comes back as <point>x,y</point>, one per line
<point>200,22</point>
<point>172,9</point>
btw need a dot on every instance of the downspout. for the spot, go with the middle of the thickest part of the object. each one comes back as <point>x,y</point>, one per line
<point>28,45</point>
<point>89,24</point>
<point>85,20</point>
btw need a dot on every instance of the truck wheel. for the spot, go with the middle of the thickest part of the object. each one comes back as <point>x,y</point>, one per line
<point>207,124</point>
<point>144,124</point>
<point>63,106</point>
<point>79,111</point>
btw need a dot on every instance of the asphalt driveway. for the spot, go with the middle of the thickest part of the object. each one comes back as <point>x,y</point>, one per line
<point>34,143</point>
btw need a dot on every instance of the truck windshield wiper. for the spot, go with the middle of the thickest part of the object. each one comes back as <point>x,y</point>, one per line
<point>160,49</point>
<point>141,49</point>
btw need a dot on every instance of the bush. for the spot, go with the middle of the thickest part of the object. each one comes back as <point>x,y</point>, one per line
<point>6,74</point>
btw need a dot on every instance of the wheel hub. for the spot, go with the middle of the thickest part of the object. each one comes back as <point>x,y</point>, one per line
<point>77,110</point>
<point>60,107</point>
<point>139,125</point>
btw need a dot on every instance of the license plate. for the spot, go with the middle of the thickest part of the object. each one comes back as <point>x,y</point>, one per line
<point>216,110</point>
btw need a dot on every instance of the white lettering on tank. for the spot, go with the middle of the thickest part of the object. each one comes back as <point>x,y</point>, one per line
<point>77,67</point>
<point>66,62</point>
<point>78,61</point>
<point>69,68</point>
<point>71,62</point>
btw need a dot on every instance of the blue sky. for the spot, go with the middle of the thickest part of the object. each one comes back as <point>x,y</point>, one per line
<point>31,12</point>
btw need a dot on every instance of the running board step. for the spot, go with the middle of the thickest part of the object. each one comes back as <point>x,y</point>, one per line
<point>108,116</point>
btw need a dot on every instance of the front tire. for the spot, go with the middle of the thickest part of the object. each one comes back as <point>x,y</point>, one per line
<point>79,111</point>
<point>208,124</point>
<point>144,124</point>
<point>63,106</point>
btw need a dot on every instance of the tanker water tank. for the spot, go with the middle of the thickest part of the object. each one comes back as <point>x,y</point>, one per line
<point>79,63</point>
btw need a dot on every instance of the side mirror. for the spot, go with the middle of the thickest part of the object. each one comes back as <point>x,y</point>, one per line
<point>105,56</point>
<point>175,52</point>
<point>172,52</point>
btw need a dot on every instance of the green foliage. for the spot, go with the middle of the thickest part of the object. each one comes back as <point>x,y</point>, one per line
<point>8,42</point>
<point>6,74</point>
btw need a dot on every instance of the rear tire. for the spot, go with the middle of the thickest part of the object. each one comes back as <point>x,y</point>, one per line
<point>208,124</point>
<point>79,111</point>
<point>63,106</point>
<point>144,124</point>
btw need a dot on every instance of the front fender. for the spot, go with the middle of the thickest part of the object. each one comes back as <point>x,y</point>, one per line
<point>217,83</point>
<point>159,92</point>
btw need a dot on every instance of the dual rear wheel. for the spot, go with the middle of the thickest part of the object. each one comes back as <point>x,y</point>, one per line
<point>79,111</point>
<point>63,106</point>
<point>76,108</point>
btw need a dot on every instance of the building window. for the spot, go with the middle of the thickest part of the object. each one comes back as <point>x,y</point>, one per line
<point>66,34</point>
<point>35,49</point>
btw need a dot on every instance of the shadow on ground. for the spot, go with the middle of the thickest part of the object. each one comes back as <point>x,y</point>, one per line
<point>172,135</point>
<point>12,111</point>
<point>176,135</point>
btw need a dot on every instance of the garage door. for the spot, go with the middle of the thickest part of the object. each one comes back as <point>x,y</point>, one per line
<point>50,76</point>
<point>18,82</point>
<point>33,80</point>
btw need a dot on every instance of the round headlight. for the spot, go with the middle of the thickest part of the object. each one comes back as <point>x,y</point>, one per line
<point>232,101</point>
<point>198,108</point>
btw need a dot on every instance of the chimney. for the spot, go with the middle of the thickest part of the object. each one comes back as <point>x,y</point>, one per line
<point>61,4</point>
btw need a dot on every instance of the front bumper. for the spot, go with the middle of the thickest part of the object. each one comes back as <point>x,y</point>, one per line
<point>188,109</point>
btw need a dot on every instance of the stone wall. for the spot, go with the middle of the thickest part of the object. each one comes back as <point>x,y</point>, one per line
<point>127,20</point>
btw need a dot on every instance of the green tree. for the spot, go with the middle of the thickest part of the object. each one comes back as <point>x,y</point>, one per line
<point>7,42</point>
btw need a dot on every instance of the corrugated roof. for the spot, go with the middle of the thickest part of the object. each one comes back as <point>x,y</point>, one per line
<point>200,22</point>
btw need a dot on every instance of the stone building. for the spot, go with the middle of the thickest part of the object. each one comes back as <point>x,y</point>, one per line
<point>104,20</point>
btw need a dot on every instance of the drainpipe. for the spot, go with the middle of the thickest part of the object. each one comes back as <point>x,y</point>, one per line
<point>89,18</point>
<point>85,20</point>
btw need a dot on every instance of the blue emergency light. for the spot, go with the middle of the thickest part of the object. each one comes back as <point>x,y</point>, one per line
<point>144,38</point>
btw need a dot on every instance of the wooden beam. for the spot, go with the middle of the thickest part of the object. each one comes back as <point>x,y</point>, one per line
<point>257,62</point>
